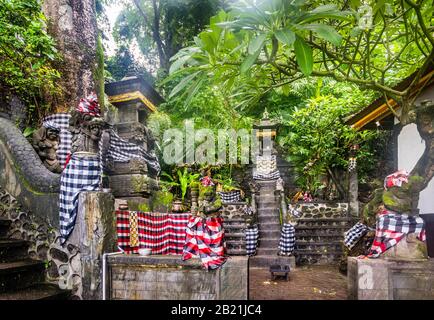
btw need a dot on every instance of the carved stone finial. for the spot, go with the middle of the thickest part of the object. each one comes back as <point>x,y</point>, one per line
<point>265,115</point>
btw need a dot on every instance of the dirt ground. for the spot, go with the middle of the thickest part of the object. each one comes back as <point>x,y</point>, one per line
<point>305,283</point>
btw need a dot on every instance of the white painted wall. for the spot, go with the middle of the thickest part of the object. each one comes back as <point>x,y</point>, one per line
<point>410,148</point>
<point>426,199</point>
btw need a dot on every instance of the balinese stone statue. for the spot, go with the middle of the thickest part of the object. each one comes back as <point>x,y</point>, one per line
<point>87,131</point>
<point>46,142</point>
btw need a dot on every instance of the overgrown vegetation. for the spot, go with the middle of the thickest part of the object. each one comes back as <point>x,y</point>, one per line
<point>27,53</point>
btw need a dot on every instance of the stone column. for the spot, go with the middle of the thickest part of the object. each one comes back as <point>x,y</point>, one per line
<point>353,194</point>
<point>95,234</point>
<point>353,183</point>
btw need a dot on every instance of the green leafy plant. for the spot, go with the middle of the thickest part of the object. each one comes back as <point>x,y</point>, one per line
<point>144,207</point>
<point>317,141</point>
<point>181,180</point>
<point>27,53</point>
<point>223,176</point>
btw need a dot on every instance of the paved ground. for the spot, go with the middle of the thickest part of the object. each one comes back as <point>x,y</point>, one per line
<point>306,283</point>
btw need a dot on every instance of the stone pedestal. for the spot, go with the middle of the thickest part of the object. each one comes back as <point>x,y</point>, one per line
<point>353,193</point>
<point>95,234</point>
<point>385,279</point>
<point>158,277</point>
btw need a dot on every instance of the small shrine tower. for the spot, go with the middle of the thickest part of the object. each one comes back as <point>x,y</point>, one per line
<point>266,131</point>
<point>135,100</point>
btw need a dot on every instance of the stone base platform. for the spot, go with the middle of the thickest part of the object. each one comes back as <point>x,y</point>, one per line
<point>387,279</point>
<point>158,277</point>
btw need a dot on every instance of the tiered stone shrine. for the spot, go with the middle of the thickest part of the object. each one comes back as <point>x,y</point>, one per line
<point>134,100</point>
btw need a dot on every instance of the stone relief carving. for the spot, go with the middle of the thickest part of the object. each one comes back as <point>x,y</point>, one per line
<point>46,142</point>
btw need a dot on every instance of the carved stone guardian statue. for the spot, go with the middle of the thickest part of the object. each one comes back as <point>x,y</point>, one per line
<point>46,142</point>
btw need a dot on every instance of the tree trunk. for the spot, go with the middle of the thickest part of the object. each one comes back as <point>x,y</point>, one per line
<point>73,25</point>
<point>425,125</point>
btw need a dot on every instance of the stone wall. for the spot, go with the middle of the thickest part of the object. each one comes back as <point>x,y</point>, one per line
<point>382,279</point>
<point>235,222</point>
<point>63,263</point>
<point>136,277</point>
<point>12,108</point>
<point>321,210</point>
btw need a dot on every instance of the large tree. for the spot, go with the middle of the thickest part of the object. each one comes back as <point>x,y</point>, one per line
<point>73,24</point>
<point>162,27</point>
<point>275,43</point>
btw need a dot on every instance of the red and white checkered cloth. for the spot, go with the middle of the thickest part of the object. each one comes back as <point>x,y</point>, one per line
<point>392,228</point>
<point>164,233</point>
<point>205,240</point>
<point>396,179</point>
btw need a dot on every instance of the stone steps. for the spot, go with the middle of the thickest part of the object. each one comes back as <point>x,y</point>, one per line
<point>22,278</point>
<point>13,250</point>
<point>319,240</point>
<point>266,234</point>
<point>43,291</point>
<point>236,252</point>
<point>235,235</point>
<point>267,251</point>
<point>271,243</point>
<point>322,238</point>
<point>20,274</point>
<point>308,257</point>
<point>269,212</point>
<point>269,226</point>
<point>268,219</point>
<point>319,246</point>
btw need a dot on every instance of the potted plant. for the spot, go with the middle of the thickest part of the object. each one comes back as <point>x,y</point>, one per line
<point>229,190</point>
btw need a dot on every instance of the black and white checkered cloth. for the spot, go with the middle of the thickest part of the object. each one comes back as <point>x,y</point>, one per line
<point>123,151</point>
<point>252,236</point>
<point>354,234</point>
<point>287,239</point>
<point>81,174</point>
<point>61,121</point>
<point>266,176</point>
<point>230,196</point>
<point>247,210</point>
<point>392,227</point>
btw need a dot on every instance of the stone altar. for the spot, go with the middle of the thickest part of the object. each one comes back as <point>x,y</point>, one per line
<point>157,277</point>
<point>386,279</point>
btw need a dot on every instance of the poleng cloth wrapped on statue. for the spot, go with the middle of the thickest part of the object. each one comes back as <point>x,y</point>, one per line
<point>354,234</point>
<point>205,240</point>
<point>252,236</point>
<point>391,228</point>
<point>81,174</point>
<point>163,233</point>
<point>61,121</point>
<point>287,239</point>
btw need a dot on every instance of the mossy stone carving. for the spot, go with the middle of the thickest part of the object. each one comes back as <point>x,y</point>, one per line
<point>400,199</point>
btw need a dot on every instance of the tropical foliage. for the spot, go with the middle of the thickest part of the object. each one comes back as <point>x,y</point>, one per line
<point>276,42</point>
<point>27,53</point>
<point>317,141</point>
